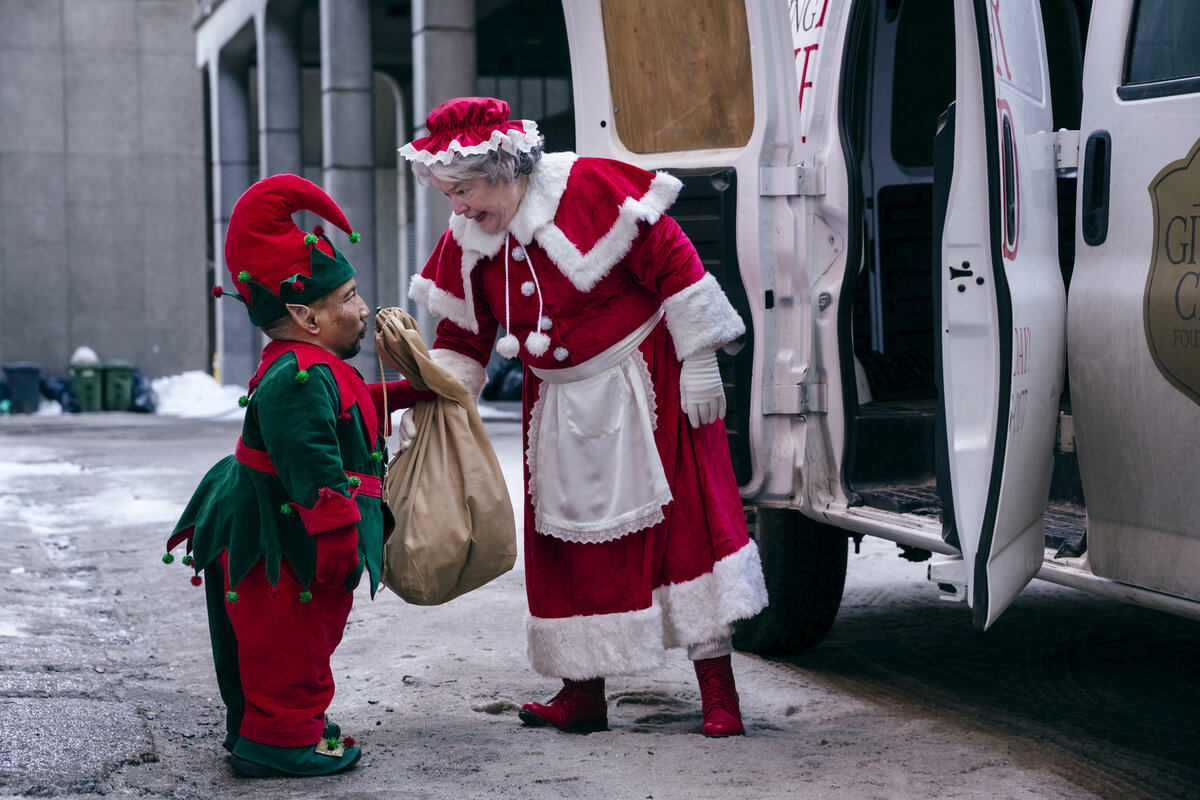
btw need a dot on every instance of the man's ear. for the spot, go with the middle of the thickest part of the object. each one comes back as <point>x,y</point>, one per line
<point>304,317</point>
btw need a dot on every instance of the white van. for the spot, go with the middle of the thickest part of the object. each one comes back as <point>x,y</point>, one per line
<point>963,234</point>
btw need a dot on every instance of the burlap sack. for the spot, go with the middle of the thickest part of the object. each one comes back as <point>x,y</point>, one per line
<point>455,529</point>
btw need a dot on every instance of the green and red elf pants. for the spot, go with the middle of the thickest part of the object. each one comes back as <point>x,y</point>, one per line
<point>271,650</point>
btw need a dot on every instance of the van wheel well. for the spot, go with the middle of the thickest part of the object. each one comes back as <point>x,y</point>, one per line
<point>804,564</point>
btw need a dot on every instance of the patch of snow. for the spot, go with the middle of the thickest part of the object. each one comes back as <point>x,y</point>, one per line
<point>49,408</point>
<point>196,394</point>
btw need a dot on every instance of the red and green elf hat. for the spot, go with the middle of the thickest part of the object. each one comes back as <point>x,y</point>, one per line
<point>272,261</point>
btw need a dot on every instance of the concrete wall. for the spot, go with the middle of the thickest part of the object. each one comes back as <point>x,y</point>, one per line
<point>102,184</point>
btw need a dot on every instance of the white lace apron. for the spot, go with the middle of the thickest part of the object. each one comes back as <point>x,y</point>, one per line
<point>594,470</point>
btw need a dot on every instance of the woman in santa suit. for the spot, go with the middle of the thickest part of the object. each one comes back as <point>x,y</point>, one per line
<point>635,540</point>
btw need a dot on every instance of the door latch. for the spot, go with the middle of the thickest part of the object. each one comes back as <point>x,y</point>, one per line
<point>791,181</point>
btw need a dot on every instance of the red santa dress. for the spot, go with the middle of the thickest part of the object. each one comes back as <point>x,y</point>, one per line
<point>635,540</point>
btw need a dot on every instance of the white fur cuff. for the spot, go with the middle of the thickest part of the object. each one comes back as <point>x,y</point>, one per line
<point>597,645</point>
<point>704,608</point>
<point>701,318</point>
<point>463,369</point>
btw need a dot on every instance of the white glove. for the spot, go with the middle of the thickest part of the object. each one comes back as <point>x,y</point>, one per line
<point>406,430</point>
<point>700,389</point>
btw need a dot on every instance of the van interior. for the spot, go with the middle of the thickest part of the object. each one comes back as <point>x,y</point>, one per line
<point>899,80</point>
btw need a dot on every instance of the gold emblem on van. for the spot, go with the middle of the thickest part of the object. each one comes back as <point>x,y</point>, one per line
<point>1171,309</point>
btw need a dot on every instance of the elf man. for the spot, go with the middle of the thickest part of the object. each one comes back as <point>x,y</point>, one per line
<point>284,528</point>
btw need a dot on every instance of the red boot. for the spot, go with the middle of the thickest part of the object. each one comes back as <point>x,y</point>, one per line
<point>579,707</point>
<point>722,716</point>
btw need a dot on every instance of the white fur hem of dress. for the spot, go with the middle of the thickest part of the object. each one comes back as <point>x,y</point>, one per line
<point>682,614</point>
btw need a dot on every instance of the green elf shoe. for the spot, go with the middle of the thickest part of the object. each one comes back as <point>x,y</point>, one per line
<point>327,757</point>
<point>332,731</point>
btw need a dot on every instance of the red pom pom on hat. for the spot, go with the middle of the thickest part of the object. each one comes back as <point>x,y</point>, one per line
<point>217,291</point>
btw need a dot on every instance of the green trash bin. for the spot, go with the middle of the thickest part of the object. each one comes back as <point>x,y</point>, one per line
<point>87,382</point>
<point>118,385</point>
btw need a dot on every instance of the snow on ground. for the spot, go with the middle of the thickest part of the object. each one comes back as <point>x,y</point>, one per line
<point>196,394</point>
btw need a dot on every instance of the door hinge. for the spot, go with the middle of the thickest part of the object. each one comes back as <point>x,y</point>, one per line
<point>950,575</point>
<point>1064,441</point>
<point>791,181</point>
<point>1066,149</point>
<point>797,398</point>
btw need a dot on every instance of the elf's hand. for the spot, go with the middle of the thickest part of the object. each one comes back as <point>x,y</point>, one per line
<point>337,554</point>
<point>700,390</point>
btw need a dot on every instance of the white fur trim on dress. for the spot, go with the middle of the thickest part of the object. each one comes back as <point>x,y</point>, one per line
<point>463,369</point>
<point>512,140</point>
<point>701,318</point>
<point>443,304</point>
<point>534,218</point>
<point>705,608</point>
<point>597,645</point>
<point>585,270</point>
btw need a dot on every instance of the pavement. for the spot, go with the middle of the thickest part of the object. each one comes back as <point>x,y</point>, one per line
<point>107,687</point>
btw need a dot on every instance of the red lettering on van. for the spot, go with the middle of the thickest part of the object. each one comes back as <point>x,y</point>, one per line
<point>805,83</point>
<point>1022,342</point>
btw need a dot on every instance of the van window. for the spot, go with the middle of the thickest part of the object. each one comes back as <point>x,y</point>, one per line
<point>1162,45</point>
<point>680,73</point>
<point>924,78</point>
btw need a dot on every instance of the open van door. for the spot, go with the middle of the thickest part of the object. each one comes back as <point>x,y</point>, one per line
<point>1134,317</point>
<point>704,90</point>
<point>1002,301</point>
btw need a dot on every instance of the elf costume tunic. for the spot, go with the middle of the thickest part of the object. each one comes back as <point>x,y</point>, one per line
<point>309,461</point>
<point>635,539</point>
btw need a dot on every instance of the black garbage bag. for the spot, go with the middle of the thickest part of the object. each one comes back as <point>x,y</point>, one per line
<point>505,381</point>
<point>56,387</point>
<point>144,398</point>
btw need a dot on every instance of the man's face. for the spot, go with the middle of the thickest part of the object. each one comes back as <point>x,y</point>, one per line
<point>342,316</point>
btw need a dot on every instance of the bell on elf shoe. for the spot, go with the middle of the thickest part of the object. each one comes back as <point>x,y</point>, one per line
<point>332,731</point>
<point>579,707</point>
<point>328,757</point>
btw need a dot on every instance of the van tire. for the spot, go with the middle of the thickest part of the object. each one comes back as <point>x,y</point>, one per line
<point>804,564</point>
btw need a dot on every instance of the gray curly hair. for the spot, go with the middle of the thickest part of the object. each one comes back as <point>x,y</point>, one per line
<point>499,166</point>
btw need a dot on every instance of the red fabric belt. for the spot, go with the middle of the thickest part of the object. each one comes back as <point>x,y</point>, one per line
<point>369,485</point>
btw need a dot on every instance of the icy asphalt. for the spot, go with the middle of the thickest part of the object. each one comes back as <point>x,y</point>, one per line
<point>106,683</point>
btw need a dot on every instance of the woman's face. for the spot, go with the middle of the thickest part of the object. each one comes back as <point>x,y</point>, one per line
<point>491,207</point>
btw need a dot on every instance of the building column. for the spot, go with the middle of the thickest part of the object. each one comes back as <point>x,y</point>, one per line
<point>238,342</point>
<point>279,104</point>
<point>347,127</point>
<point>443,68</point>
